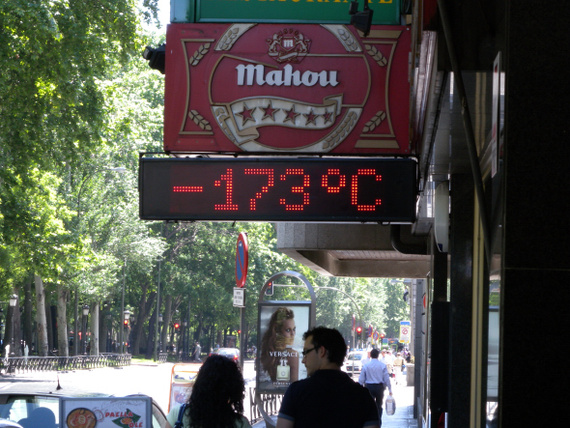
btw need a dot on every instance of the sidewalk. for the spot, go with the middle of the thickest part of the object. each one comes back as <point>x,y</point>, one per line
<point>404,416</point>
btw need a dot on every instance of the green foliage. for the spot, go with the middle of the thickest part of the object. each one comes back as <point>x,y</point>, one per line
<point>54,56</point>
<point>396,308</point>
<point>61,215</point>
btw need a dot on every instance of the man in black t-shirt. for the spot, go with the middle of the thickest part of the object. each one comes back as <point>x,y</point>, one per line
<point>328,397</point>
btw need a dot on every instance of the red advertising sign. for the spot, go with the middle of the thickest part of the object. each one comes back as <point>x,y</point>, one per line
<point>287,89</point>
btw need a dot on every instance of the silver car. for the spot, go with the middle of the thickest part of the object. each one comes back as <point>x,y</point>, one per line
<point>354,361</point>
<point>231,353</point>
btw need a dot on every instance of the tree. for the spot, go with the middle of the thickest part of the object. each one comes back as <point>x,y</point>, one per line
<point>54,56</point>
<point>396,309</point>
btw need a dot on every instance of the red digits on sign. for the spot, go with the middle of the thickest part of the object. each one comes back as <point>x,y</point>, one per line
<point>187,189</point>
<point>341,180</point>
<point>264,189</point>
<point>228,178</point>
<point>354,190</point>
<point>296,189</point>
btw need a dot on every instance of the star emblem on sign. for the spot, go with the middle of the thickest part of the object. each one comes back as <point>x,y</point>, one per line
<point>311,117</point>
<point>269,111</point>
<point>247,113</point>
<point>290,115</point>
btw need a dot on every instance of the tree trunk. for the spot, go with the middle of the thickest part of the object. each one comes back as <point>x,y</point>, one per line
<point>41,326</point>
<point>62,340</point>
<point>151,335</point>
<point>145,307</point>
<point>166,322</point>
<point>94,327</point>
<point>49,325</point>
<point>105,329</point>
<point>28,319</point>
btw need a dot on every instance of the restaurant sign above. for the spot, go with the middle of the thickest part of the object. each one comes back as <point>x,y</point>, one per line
<point>386,12</point>
<point>273,88</point>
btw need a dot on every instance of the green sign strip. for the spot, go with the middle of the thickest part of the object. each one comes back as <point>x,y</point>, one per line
<point>386,12</point>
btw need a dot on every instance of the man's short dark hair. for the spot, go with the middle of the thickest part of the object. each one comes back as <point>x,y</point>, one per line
<point>374,353</point>
<point>331,340</point>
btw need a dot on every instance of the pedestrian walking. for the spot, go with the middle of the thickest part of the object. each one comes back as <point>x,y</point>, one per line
<point>398,367</point>
<point>196,355</point>
<point>375,377</point>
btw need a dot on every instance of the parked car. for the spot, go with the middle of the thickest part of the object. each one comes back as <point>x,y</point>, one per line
<point>231,353</point>
<point>354,361</point>
<point>39,405</point>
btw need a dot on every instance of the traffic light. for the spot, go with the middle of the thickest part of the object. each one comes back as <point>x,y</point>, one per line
<point>176,326</point>
<point>126,323</point>
<point>358,330</point>
<point>269,289</point>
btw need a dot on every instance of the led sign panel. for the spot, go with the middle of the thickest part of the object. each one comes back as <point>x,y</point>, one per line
<point>287,89</point>
<point>357,190</point>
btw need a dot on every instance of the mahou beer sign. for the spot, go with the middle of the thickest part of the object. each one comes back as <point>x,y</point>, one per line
<point>284,88</point>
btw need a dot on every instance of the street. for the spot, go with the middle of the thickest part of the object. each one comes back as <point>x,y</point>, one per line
<point>149,379</point>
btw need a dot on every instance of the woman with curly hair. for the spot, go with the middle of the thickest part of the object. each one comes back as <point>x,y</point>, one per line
<point>276,346</point>
<point>216,400</point>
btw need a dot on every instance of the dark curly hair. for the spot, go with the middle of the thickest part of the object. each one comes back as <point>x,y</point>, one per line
<point>217,395</point>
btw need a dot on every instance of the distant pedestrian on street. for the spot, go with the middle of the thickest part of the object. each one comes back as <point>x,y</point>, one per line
<point>386,359</point>
<point>216,399</point>
<point>399,364</point>
<point>197,352</point>
<point>375,377</point>
<point>328,397</point>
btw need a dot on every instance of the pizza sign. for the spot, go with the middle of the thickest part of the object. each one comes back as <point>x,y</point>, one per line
<point>286,89</point>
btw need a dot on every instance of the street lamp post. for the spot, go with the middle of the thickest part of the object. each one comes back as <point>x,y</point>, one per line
<point>13,301</point>
<point>185,353</point>
<point>85,310</point>
<point>2,332</point>
<point>122,328</point>
<point>126,316</point>
<point>160,319</point>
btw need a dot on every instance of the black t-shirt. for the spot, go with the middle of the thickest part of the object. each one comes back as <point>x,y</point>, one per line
<point>329,398</point>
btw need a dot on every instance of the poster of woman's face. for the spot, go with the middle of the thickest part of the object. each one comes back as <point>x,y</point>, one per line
<point>281,328</point>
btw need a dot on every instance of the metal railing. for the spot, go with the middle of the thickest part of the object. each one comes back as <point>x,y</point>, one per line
<point>77,362</point>
<point>271,404</point>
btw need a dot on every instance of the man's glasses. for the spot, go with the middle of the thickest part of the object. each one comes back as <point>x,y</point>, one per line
<point>304,353</point>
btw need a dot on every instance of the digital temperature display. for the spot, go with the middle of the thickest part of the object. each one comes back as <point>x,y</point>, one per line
<point>262,189</point>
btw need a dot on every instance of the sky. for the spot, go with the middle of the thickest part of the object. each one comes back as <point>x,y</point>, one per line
<point>164,12</point>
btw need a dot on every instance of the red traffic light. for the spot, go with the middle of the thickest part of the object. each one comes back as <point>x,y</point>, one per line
<point>176,326</point>
<point>126,323</point>
<point>359,329</point>
<point>381,335</point>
